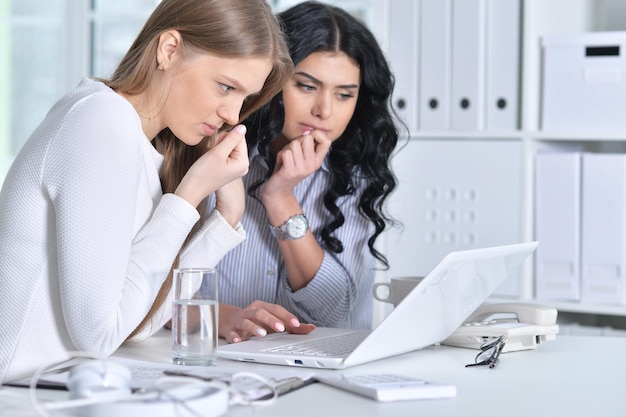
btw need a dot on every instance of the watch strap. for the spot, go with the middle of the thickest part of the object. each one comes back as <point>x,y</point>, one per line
<point>282,231</point>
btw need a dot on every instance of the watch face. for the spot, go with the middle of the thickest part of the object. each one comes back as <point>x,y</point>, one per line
<point>296,227</point>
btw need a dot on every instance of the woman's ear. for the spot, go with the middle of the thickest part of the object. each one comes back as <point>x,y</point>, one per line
<point>170,43</point>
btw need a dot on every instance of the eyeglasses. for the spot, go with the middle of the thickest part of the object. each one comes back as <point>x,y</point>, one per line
<point>489,353</point>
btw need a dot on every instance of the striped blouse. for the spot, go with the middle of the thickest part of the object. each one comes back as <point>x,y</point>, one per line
<point>340,294</point>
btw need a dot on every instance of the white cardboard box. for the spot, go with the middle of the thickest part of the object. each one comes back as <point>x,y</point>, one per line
<point>584,82</point>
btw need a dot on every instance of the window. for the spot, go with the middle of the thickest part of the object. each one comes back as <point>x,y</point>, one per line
<point>47,46</point>
<point>362,9</point>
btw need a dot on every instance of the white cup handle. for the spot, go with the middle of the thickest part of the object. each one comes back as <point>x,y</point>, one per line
<point>379,298</point>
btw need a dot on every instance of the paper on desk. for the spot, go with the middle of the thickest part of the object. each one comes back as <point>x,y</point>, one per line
<point>144,374</point>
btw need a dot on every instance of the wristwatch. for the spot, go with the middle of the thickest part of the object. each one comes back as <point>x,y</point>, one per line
<point>294,228</point>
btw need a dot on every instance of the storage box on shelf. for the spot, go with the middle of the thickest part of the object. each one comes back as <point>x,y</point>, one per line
<point>584,86</point>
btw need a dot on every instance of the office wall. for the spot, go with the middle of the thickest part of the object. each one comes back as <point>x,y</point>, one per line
<point>613,12</point>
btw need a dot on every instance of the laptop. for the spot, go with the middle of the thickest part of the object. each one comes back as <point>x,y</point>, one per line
<point>430,313</point>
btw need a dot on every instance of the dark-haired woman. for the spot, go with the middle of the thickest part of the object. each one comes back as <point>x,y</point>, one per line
<point>319,176</point>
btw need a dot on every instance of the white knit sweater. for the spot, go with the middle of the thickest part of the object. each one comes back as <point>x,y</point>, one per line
<point>86,235</point>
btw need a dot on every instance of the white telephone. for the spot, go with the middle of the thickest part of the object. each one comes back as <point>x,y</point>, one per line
<point>523,325</point>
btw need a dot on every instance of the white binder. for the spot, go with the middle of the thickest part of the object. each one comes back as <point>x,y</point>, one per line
<point>468,62</point>
<point>557,222</point>
<point>604,229</point>
<point>502,64</point>
<point>403,56</point>
<point>435,56</point>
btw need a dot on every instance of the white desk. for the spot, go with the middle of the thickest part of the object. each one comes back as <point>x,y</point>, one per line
<point>571,376</point>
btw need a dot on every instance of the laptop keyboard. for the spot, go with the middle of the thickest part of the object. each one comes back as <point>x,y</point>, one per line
<point>327,346</point>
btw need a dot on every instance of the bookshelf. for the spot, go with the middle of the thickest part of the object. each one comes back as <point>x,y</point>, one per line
<point>538,18</point>
<point>406,249</point>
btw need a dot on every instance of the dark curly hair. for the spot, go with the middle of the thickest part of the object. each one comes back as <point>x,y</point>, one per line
<point>365,147</point>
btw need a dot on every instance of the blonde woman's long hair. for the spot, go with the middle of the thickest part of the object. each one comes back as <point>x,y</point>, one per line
<point>227,28</point>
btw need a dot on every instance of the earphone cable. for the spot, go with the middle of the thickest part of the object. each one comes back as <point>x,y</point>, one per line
<point>32,388</point>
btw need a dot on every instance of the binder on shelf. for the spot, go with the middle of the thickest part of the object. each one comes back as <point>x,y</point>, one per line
<point>557,222</point>
<point>468,62</point>
<point>435,64</point>
<point>502,64</point>
<point>604,229</point>
<point>403,56</point>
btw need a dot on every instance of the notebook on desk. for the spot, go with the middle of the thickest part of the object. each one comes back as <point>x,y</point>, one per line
<point>430,313</point>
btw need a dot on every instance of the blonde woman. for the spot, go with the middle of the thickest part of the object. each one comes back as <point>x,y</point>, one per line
<point>105,197</point>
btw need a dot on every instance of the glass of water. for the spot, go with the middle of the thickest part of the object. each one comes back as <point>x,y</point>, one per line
<point>195,316</point>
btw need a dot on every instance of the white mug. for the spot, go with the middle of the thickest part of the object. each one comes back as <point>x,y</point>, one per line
<point>397,289</point>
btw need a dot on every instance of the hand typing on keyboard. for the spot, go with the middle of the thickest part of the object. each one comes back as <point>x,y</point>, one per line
<point>258,319</point>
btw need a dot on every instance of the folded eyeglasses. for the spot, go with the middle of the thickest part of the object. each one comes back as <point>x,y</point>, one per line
<point>489,353</point>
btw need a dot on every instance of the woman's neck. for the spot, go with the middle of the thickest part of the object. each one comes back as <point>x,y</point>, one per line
<point>150,120</point>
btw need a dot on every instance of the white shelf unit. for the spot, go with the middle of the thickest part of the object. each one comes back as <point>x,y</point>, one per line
<point>548,17</point>
<point>539,18</point>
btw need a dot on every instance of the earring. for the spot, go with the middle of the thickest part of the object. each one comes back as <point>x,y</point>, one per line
<point>160,67</point>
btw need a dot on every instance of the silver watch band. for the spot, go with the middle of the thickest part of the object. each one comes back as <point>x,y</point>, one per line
<point>294,228</point>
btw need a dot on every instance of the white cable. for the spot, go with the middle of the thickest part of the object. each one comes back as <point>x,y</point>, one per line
<point>238,399</point>
<point>32,388</point>
<point>173,390</point>
<point>169,394</point>
<point>181,395</point>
